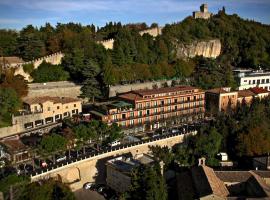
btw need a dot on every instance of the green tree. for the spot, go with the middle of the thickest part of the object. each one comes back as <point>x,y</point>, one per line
<point>49,190</point>
<point>47,72</point>
<point>53,143</point>
<point>9,104</point>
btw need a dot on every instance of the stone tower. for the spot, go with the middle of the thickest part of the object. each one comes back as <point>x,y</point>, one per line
<point>204,8</point>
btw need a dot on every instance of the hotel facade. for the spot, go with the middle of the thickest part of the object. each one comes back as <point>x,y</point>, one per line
<point>150,109</point>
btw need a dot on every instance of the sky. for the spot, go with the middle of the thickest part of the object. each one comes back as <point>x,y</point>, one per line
<point>16,14</point>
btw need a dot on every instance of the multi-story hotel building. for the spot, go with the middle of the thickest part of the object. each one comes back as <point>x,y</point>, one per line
<point>153,108</point>
<point>41,111</point>
<point>250,79</point>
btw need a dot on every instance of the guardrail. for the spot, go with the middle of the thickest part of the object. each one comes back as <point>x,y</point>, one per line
<point>112,149</point>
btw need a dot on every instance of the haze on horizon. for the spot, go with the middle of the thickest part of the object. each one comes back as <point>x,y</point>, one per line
<point>16,14</point>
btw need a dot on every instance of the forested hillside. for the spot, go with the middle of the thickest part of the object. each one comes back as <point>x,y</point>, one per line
<point>134,57</point>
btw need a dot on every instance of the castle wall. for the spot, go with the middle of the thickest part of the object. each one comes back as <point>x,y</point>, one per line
<point>54,59</point>
<point>108,44</point>
<point>114,90</point>
<point>94,169</point>
<point>61,89</point>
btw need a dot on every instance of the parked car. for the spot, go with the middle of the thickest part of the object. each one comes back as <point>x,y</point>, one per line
<point>60,158</point>
<point>114,143</point>
<point>88,185</point>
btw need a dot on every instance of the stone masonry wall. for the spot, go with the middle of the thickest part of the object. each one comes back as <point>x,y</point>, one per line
<point>61,89</point>
<point>114,90</point>
<point>54,59</point>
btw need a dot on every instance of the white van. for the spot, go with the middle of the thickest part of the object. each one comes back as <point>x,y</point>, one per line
<point>114,143</point>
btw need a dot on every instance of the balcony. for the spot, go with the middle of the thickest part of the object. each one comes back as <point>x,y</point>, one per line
<point>160,113</point>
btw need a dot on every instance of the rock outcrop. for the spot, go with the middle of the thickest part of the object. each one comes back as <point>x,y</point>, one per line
<point>207,49</point>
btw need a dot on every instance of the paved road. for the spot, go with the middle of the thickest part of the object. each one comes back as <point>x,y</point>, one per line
<point>83,194</point>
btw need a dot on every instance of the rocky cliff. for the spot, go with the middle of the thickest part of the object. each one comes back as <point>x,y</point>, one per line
<point>208,49</point>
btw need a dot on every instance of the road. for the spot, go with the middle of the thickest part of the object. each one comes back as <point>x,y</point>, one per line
<point>83,194</point>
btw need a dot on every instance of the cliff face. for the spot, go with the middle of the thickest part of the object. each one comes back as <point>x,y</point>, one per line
<point>208,49</point>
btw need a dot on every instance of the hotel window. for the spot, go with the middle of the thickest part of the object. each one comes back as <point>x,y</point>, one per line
<point>155,110</point>
<point>254,82</point>
<point>132,114</point>
<point>147,104</point>
<point>139,121</point>
<point>175,100</point>
<point>169,108</point>
<point>175,107</point>
<point>194,98</point>
<point>139,105</point>
<point>162,103</point>
<point>123,124</point>
<point>114,117</point>
<point>263,81</point>
<point>140,113</point>
<point>155,103</point>
<point>258,81</point>
<point>147,112</point>
<point>249,82</point>
<point>131,122</point>
<point>188,99</point>
<point>123,116</point>
<point>74,105</point>
<point>58,107</point>
<point>161,109</point>
<point>267,80</point>
<point>147,119</point>
<point>169,101</point>
<point>156,118</point>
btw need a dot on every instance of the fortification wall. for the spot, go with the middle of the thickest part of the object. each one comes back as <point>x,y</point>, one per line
<point>114,90</point>
<point>54,59</point>
<point>153,31</point>
<point>108,44</point>
<point>61,88</point>
<point>208,49</point>
<point>93,168</point>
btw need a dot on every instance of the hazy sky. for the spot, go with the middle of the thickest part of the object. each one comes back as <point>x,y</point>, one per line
<point>15,14</point>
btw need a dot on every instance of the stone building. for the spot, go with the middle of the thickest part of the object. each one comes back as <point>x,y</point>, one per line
<point>220,99</point>
<point>203,13</point>
<point>202,182</point>
<point>41,111</point>
<point>119,170</point>
<point>14,150</point>
<point>149,109</point>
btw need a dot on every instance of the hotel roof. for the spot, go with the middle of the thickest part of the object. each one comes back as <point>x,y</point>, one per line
<point>37,100</point>
<point>245,93</point>
<point>139,94</point>
<point>258,90</point>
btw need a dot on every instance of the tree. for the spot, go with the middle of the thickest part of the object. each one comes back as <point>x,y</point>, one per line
<point>47,72</point>
<point>9,104</point>
<point>147,184</point>
<point>91,87</point>
<point>48,190</point>
<point>53,143</point>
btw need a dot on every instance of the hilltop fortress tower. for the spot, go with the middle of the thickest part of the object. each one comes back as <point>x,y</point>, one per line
<point>203,13</point>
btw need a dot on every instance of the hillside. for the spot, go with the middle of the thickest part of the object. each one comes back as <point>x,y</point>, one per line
<point>139,58</point>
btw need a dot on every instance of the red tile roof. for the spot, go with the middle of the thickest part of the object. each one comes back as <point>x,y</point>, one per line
<point>218,91</point>
<point>245,93</point>
<point>139,94</point>
<point>258,90</point>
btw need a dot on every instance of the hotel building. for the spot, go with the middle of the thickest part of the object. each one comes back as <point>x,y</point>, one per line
<point>41,112</point>
<point>149,109</point>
